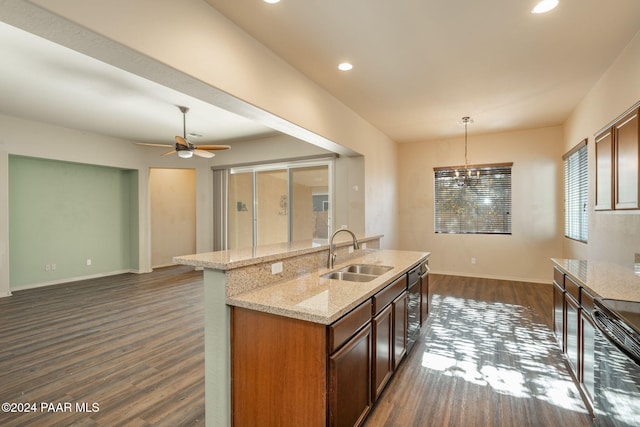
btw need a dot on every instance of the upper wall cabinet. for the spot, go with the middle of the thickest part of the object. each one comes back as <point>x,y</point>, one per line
<point>626,149</point>
<point>617,163</point>
<point>604,170</point>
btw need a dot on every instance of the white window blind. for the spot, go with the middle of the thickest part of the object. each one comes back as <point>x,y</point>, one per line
<point>576,210</point>
<point>481,206</point>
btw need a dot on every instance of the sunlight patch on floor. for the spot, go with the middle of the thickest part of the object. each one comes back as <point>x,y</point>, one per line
<point>530,364</point>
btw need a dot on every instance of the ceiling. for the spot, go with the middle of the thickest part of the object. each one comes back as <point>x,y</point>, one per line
<point>50,83</point>
<point>419,66</point>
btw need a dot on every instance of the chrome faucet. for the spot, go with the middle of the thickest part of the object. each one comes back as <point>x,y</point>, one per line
<point>332,253</point>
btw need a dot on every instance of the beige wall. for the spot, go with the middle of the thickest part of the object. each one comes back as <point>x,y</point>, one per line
<point>262,85</point>
<point>173,214</point>
<point>536,197</point>
<point>613,236</point>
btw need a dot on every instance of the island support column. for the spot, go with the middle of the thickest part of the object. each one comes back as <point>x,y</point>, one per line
<point>217,350</point>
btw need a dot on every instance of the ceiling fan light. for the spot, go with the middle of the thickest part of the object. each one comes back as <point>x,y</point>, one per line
<point>545,6</point>
<point>185,154</point>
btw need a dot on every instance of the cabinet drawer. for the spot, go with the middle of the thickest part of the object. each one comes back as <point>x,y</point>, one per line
<point>558,277</point>
<point>348,325</point>
<point>572,288</point>
<point>388,294</point>
<point>586,301</point>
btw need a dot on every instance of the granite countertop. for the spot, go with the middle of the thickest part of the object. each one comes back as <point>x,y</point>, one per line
<point>602,279</point>
<point>313,298</point>
<point>237,258</point>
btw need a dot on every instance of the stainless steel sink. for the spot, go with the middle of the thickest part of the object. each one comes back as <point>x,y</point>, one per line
<point>358,272</point>
<point>375,270</point>
<point>350,277</point>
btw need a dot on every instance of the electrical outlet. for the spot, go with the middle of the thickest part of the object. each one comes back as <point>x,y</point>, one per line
<point>53,267</point>
<point>473,260</point>
<point>276,268</point>
<point>363,245</point>
<point>350,249</point>
<point>88,261</point>
<point>47,267</point>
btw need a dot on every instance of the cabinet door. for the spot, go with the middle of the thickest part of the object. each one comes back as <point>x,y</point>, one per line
<point>571,327</point>
<point>382,349</point>
<point>399,329</point>
<point>626,165</point>
<point>558,315</point>
<point>424,297</point>
<point>350,381</point>
<point>587,347</point>
<point>604,170</point>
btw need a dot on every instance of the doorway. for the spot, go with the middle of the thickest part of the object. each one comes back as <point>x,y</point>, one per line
<point>173,214</point>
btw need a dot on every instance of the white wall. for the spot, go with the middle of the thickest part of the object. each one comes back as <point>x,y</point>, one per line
<point>536,204</point>
<point>613,236</point>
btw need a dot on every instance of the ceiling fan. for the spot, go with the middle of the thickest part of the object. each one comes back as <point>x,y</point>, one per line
<point>183,147</point>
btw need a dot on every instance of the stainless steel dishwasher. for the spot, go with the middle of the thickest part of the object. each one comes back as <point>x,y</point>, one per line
<point>617,363</point>
<point>413,306</point>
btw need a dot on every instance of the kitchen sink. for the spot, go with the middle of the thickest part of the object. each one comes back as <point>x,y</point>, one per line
<point>358,272</point>
<point>375,270</point>
<point>350,277</point>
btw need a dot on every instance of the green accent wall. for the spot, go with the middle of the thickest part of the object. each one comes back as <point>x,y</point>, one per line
<point>62,213</point>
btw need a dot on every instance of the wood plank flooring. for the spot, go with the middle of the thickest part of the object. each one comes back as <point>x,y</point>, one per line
<point>486,358</point>
<point>134,345</point>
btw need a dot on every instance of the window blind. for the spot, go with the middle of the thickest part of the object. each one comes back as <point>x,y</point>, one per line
<point>481,206</point>
<point>576,210</point>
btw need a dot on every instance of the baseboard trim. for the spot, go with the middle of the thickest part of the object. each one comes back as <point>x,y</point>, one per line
<point>72,279</point>
<point>495,277</point>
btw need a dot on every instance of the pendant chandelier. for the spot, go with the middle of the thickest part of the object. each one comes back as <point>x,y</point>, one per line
<point>464,179</point>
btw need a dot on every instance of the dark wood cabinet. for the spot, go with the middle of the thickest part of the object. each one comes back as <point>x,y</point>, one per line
<point>389,331</point>
<point>618,163</point>
<point>399,329</point>
<point>350,381</point>
<point>558,315</point>
<point>424,297</point>
<point>382,349</point>
<point>587,347</point>
<point>625,133</point>
<point>604,170</point>
<point>575,331</point>
<point>572,310</point>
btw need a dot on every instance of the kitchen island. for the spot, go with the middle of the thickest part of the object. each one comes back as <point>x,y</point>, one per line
<point>283,281</point>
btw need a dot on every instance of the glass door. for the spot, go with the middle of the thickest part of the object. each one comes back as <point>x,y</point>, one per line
<point>279,203</point>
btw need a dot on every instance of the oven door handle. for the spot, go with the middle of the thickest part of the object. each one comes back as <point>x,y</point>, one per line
<point>597,314</point>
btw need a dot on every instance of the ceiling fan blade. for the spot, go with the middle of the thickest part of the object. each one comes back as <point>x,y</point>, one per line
<point>202,153</point>
<point>167,153</point>
<point>180,140</point>
<point>213,147</point>
<point>146,144</point>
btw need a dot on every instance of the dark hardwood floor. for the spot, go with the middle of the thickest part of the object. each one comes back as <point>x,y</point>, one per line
<point>486,358</point>
<point>133,344</point>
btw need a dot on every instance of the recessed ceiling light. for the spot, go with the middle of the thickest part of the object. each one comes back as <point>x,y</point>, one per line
<point>272,1</point>
<point>345,66</point>
<point>545,6</point>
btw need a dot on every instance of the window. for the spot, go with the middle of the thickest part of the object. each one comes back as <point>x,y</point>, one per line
<point>482,205</point>
<point>576,211</point>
